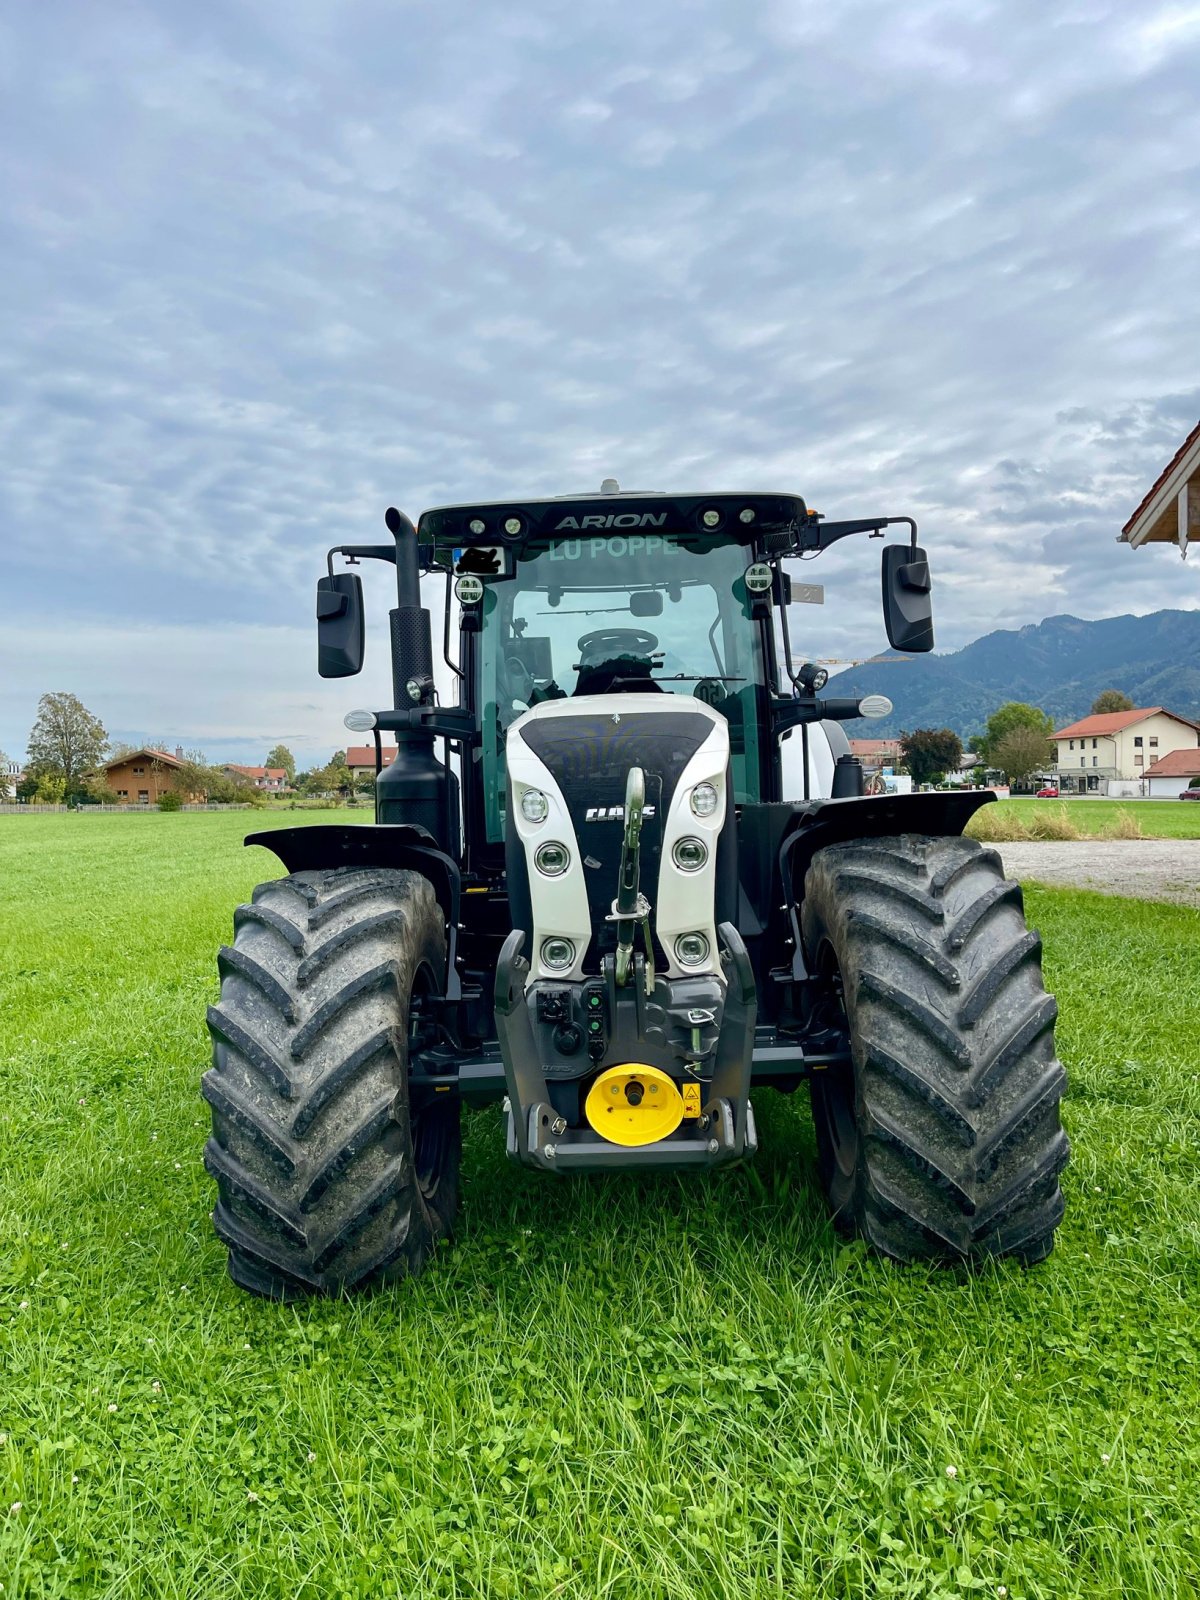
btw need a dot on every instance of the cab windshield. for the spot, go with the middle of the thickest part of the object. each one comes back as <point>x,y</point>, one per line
<point>590,616</point>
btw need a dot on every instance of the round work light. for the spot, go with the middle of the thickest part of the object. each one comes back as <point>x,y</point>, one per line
<point>691,949</point>
<point>704,800</point>
<point>534,806</point>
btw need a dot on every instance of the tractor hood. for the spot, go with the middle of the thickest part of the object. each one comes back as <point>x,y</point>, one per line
<point>577,753</point>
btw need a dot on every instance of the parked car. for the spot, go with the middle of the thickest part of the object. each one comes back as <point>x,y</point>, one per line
<point>1190,794</point>
<point>1048,793</point>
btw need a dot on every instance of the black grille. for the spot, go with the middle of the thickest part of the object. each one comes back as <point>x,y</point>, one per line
<point>590,756</point>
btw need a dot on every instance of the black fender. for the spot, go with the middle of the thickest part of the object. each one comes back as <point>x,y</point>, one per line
<point>817,823</point>
<point>380,844</point>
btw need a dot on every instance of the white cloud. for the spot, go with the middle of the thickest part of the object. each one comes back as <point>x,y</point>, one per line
<point>268,271</point>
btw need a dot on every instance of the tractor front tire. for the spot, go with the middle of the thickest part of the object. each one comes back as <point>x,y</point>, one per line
<point>330,1178</point>
<point>942,1141</point>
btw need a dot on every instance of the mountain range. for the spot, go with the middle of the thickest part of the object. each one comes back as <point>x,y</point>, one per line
<point>1060,664</point>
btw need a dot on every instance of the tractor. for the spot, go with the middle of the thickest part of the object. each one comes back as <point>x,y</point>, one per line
<point>623,878</point>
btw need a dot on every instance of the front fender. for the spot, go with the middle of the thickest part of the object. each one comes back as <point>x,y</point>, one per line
<point>818,823</point>
<point>403,846</point>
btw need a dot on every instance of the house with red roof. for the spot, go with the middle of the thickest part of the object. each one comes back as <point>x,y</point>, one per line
<point>1172,774</point>
<point>1118,748</point>
<point>142,777</point>
<point>270,779</point>
<point>361,757</point>
<point>1170,508</point>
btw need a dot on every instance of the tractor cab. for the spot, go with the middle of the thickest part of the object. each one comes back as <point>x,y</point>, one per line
<point>654,604</point>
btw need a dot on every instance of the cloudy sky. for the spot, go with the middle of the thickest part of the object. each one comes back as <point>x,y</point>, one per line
<point>270,267</point>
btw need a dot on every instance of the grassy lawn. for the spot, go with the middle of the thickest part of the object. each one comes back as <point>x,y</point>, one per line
<point>606,1387</point>
<point>1158,819</point>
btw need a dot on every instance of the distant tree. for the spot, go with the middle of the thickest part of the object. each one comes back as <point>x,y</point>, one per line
<point>1015,714</point>
<point>930,753</point>
<point>170,800</point>
<point>121,747</point>
<point>213,785</point>
<point>281,756</point>
<point>1022,751</point>
<point>51,790</point>
<point>1111,700</point>
<point>6,781</point>
<point>66,741</point>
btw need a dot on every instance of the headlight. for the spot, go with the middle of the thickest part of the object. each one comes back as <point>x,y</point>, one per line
<point>690,854</point>
<point>534,806</point>
<point>552,858</point>
<point>559,954</point>
<point>758,577</point>
<point>691,949</point>
<point>468,590</point>
<point>704,800</point>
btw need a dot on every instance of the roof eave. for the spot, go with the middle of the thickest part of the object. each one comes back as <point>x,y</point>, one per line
<point>1156,520</point>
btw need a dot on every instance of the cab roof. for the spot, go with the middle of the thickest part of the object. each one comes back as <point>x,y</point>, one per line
<point>740,517</point>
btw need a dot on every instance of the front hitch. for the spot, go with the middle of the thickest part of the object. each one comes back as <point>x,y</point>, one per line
<point>631,906</point>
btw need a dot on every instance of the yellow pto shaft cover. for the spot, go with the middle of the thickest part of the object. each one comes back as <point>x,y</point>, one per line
<point>634,1104</point>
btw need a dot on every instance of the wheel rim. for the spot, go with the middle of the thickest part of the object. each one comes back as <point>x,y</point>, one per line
<point>833,1104</point>
<point>433,1121</point>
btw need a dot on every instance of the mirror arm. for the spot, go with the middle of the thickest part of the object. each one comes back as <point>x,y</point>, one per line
<point>359,552</point>
<point>820,535</point>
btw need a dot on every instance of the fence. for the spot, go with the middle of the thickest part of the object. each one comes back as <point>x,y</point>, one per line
<point>125,811</point>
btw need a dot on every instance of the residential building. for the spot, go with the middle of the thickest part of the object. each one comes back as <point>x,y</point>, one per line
<point>142,777</point>
<point>1119,747</point>
<point>10,776</point>
<point>1170,508</point>
<point>361,757</point>
<point>271,779</point>
<point>875,754</point>
<point>1172,774</point>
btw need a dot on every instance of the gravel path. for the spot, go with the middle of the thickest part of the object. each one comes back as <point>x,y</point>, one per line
<point>1145,869</point>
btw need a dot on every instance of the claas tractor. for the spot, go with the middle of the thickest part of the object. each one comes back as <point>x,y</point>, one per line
<point>623,879</point>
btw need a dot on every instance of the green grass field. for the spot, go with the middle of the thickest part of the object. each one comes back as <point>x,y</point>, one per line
<point>1158,819</point>
<point>607,1387</point>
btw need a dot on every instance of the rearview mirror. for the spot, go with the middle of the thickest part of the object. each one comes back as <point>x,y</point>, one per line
<point>907,607</point>
<point>645,603</point>
<point>341,630</point>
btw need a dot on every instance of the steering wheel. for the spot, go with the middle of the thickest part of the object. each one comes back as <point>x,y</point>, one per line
<point>603,644</point>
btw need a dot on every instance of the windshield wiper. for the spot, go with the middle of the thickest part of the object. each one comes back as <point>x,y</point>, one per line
<point>697,677</point>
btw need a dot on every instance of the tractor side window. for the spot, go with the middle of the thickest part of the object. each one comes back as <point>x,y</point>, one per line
<point>650,614</point>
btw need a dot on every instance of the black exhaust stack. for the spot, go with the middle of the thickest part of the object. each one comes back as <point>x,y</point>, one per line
<point>417,787</point>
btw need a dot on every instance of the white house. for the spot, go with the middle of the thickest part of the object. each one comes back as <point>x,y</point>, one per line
<point>1119,747</point>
